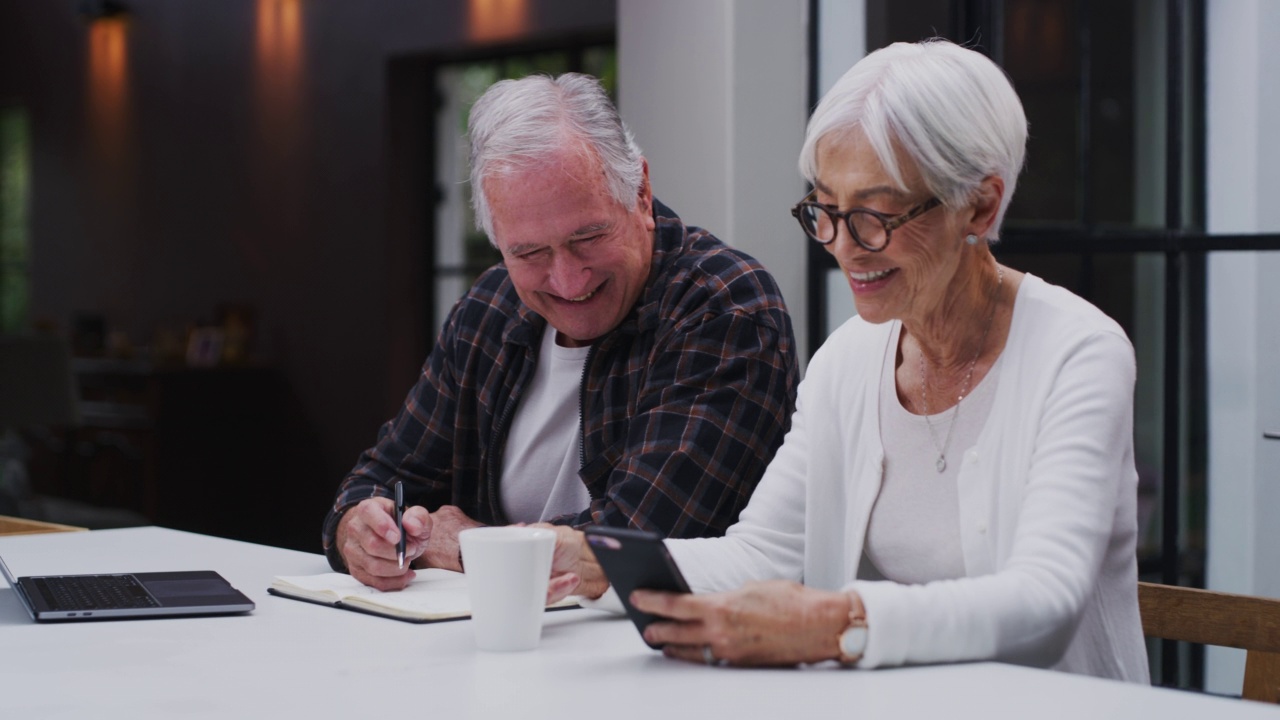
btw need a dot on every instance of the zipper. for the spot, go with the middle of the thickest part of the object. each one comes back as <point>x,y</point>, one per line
<point>582,415</point>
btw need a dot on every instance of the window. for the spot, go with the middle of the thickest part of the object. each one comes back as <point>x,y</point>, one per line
<point>15,191</point>
<point>462,252</point>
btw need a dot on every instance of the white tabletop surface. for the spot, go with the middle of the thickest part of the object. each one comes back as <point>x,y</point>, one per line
<point>292,659</point>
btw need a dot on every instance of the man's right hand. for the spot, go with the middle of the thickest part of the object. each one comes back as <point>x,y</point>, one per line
<point>367,538</point>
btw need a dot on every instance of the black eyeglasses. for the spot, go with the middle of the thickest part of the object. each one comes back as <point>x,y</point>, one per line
<point>868,228</point>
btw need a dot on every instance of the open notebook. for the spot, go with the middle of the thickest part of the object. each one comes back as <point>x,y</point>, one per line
<point>433,596</point>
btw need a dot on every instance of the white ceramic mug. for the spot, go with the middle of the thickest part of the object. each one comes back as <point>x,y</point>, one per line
<point>507,572</point>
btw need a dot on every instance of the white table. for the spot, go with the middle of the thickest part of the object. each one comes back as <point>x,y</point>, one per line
<point>290,659</point>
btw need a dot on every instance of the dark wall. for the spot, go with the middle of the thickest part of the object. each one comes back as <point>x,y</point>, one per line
<point>235,159</point>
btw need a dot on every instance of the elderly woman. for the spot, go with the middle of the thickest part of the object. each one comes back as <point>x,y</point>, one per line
<point>958,483</point>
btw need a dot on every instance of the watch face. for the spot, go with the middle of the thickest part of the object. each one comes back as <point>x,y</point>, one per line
<point>853,641</point>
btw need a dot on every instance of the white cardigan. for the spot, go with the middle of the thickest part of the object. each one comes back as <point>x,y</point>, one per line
<point>1047,502</point>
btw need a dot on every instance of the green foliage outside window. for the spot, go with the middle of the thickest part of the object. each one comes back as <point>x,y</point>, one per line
<point>601,61</point>
<point>15,189</point>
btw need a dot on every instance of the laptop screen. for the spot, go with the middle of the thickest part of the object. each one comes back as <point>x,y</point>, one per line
<point>8,575</point>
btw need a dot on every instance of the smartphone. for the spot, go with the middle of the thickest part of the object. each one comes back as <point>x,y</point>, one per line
<point>635,560</point>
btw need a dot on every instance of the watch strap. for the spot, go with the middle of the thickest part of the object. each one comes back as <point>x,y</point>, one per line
<point>852,640</point>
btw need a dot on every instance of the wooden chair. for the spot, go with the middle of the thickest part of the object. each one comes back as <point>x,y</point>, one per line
<point>23,526</point>
<point>1215,618</point>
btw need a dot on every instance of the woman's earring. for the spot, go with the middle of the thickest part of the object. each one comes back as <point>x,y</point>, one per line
<point>971,239</point>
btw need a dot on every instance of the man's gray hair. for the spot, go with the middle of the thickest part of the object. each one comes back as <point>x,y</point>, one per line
<point>949,109</point>
<point>517,123</point>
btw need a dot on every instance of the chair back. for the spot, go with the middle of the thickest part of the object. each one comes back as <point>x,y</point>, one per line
<point>1214,618</point>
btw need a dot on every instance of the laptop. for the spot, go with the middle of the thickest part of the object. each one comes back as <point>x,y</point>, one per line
<point>126,595</point>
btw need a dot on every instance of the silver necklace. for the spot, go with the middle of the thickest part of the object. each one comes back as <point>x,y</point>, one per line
<point>941,464</point>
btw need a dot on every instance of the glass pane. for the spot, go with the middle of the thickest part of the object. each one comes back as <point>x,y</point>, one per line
<point>474,78</point>
<point>1108,169</point>
<point>1042,59</point>
<point>463,252</point>
<point>890,21</point>
<point>13,298</point>
<point>1128,113</point>
<point>1052,48</point>
<point>1242,343</point>
<point>1138,305</point>
<point>602,62</point>
<point>1111,113</point>
<point>15,189</point>
<point>459,87</point>
<point>547,63</point>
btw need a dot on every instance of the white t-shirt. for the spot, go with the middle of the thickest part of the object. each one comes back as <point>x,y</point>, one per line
<point>913,535</point>
<point>540,463</point>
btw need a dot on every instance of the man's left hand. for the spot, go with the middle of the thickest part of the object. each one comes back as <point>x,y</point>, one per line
<point>443,550</point>
<point>573,566</point>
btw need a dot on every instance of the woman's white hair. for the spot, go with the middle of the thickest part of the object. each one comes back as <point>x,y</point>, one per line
<point>517,123</point>
<point>950,110</point>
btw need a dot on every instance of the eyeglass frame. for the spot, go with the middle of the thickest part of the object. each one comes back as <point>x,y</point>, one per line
<point>887,221</point>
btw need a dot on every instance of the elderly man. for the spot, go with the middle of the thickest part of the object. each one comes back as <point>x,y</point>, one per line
<point>617,368</point>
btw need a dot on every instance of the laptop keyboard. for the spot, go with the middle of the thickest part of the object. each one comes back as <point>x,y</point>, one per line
<point>95,592</point>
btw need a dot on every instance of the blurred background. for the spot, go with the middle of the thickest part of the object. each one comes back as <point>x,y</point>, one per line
<point>218,207</point>
<point>229,231</point>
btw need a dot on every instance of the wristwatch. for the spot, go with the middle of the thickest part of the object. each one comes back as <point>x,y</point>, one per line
<point>852,641</point>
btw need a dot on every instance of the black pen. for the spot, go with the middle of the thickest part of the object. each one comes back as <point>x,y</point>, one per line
<point>400,522</point>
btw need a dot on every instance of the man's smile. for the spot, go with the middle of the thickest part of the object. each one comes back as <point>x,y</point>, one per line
<point>585,297</point>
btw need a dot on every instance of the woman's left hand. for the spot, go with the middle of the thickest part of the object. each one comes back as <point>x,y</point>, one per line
<point>764,623</point>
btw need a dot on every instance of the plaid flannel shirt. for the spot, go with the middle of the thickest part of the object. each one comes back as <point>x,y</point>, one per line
<point>682,405</point>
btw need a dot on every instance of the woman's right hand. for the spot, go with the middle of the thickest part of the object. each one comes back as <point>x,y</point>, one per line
<point>772,623</point>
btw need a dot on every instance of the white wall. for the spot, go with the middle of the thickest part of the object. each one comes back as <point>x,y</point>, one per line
<point>1243,301</point>
<point>842,39</point>
<point>715,93</point>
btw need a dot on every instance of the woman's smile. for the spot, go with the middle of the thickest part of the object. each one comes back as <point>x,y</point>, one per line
<point>870,281</point>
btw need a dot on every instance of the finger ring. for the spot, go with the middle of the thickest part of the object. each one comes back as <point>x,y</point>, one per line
<point>708,657</point>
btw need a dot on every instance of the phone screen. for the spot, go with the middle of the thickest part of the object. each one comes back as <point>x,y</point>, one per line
<point>635,560</point>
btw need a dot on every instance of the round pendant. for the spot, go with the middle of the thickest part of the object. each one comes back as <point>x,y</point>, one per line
<point>942,463</point>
